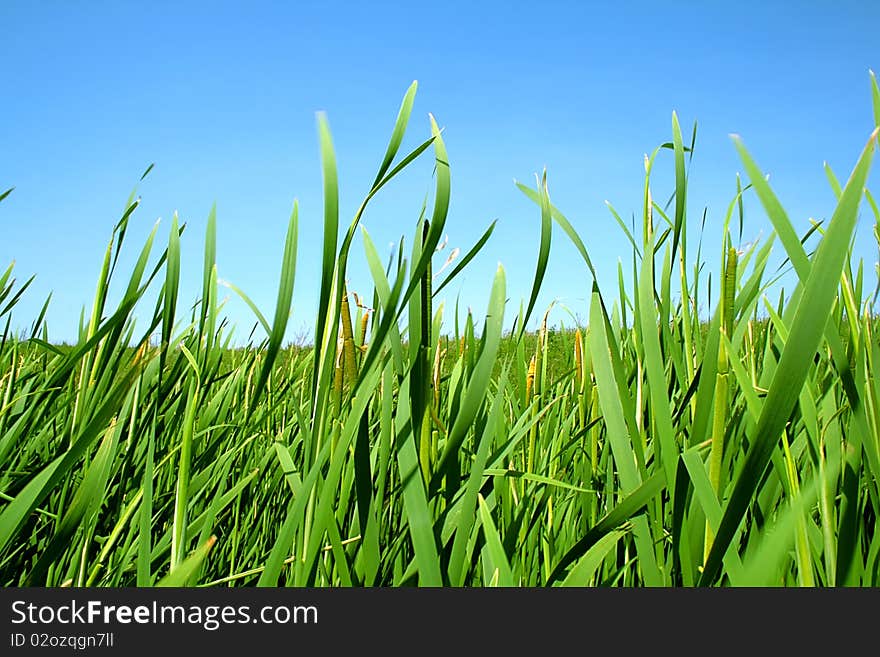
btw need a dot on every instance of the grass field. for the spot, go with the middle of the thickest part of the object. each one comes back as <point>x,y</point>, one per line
<point>650,446</point>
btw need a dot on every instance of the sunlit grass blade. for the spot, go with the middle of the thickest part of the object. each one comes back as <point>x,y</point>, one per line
<point>331,231</point>
<point>625,510</point>
<point>479,382</point>
<point>875,98</point>
<point>398,132</point>
<point>564,223</point>
<point>181,575</point>
<point>543,251</point>
<point>282,305</point>
<point>463,262</point>
<point>466,517</point>
<point>796,357</point>
<point>89,495</point>
<point>170,289</point>
<point>680,181</point>
<point>494,551</point>
<point>244,297</point>
<point>415,503</point>
<point>583,572</point>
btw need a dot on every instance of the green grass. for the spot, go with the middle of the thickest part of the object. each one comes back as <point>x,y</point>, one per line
<point>651,445</point>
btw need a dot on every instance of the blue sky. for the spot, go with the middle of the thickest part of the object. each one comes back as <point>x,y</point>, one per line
<point>223,96</point>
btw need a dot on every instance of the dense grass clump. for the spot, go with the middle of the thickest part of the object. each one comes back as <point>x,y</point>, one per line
<point>649,446</point>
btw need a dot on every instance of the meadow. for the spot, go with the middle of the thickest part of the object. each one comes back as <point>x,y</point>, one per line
<point>651,446</point>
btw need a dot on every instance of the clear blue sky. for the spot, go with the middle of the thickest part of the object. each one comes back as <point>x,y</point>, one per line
<point>223,96</point>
